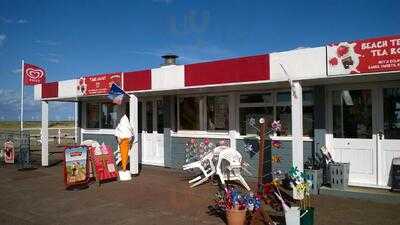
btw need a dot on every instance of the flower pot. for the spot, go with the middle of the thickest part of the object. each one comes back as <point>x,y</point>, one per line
<point>235,216</point>
<point>307,216</point>
<point>292,216</point>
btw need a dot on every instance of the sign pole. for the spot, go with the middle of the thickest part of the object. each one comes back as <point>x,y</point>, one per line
<point>22,95</point>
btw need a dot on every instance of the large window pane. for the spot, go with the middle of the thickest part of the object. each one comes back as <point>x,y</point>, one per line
<point>352,114</point>
<point>308,121</point>
<point>189,113</point>
<point>160,117</point>
<point>391,106</point>
<point>109,115</point>
<point>284,114</point>
<point>217,113</point>
<point>92,115</point>
<point>140,117</point>
<point>149,116</point>
<point>247,113</point>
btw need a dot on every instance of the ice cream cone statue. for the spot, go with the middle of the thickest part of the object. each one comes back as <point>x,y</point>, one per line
<point>124,134</point>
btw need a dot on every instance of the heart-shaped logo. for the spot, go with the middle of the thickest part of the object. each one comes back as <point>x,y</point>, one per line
<point>34,73</point>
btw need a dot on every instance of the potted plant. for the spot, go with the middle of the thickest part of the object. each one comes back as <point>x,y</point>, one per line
<point>236,204</point>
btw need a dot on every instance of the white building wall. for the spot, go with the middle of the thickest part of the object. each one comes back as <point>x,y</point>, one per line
<point>307,63</point>
<point>168,77</point>
<point>68,88</point>
<point>37,92</point>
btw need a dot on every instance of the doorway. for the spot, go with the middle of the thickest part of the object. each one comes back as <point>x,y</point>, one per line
<point>364,122</point>
<point>152,131</point>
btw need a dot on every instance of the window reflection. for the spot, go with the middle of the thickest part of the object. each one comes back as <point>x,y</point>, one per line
<point>352,114</point>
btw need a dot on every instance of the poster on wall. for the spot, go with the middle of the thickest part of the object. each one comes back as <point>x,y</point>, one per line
<point>364,56</point>
<point>9,152</point>
<point>99,84</point>
<point>104,163</point>
<point>75,165</point>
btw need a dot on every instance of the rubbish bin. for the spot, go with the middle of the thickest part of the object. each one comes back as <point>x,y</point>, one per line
<point>395,174</point>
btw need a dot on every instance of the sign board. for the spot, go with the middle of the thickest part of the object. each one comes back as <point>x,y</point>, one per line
<point>9,152</point>
<point>24,150</point>
<point>99,84</point>
<point>103,162</point>
<point>364,56</point>
<point>75,165</point>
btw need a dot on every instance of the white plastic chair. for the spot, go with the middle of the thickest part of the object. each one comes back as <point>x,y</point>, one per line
<point>234,169</point>
<point>207,167</point>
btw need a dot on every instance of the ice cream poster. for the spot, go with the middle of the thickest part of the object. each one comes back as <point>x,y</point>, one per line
<point>76,161</point>
<point>365,56</point>
<point>9,152</point>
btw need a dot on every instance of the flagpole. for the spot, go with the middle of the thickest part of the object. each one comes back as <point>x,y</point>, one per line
<point>22,95</point>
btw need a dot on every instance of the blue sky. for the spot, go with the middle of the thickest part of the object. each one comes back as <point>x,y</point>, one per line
<point>74,38</point>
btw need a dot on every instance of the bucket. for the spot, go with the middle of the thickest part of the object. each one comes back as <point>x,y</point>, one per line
<point>292,216</point>
<point>235,216</point>
<point>307,216</point>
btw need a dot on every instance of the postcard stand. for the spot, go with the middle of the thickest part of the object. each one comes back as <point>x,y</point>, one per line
<point>76,173</point>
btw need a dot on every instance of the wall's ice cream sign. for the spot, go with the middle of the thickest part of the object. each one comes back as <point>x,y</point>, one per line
<point>365,56</point>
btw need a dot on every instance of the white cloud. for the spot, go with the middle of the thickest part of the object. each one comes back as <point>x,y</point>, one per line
<point>22,21</point>
<point>190,53</point>
<point>47,42</point>
<point>10,106</point>
<point>16,71</point>
<point>53,60</point>
<point>3,38</point>
<point>6,20</point>
<point>163,1</point>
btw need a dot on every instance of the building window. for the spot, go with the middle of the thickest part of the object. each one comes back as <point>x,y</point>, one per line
<point>92,115</point>
<point>189,113</point>
<point>246,113</point>
<point>217,113</point>
<point>265,104</point>
<point>284,112</point>
<point>102,115</point>
<point>149,116</point>
<point>109,115</point>
<point>160,117</point>
<point>352,114</point>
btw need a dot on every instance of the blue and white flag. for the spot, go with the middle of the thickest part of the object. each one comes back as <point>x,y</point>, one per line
<point>116,94</point>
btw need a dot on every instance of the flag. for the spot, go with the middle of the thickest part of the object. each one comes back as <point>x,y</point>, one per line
<point>33,74</point>
<point>116,94</point>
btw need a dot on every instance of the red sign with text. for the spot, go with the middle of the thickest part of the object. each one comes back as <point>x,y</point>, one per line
<point>99,84</point>
<point>364,56</point>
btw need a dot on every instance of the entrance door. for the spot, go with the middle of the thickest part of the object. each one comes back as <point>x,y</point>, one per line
<point>152,133</point>
<point>389,131</point>
<point>353,126</point>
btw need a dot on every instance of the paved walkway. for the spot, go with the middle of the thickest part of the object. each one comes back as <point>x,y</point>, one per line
<point>157,196</point>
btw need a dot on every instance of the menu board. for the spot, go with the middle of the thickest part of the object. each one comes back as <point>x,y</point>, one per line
<point>221,112</point>
<point>75,165</point>
<point>104,163</point>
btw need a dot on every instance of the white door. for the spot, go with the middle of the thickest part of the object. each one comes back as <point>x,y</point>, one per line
<point>389,131</point>
<point>152,151</point>
<point>353,126</point>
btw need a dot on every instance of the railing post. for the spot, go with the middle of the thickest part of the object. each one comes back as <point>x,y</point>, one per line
<point>59,136</point>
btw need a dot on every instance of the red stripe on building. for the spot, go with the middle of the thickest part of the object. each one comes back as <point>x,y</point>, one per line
<point>50,90</point>
<point>137,80</point>
<point>252,68</point>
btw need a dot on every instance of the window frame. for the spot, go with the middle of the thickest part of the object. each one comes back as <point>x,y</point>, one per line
<point>274,104</point>
<point>120,112</point>
<point>203,115</point>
